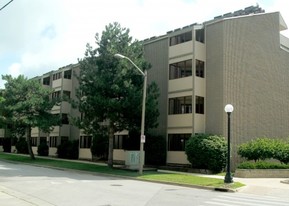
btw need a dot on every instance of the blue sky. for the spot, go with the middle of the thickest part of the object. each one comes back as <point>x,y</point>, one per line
<point>38,36</point>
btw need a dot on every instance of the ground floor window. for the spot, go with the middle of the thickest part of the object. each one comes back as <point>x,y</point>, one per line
<point>119,141</point>
<point>177,142</point>
<point>53,141</point>
<point>33,141</point>
<point>85,141</point>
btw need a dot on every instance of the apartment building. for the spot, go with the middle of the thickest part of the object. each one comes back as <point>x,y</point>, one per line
<point>238,58</point>
<point>64,84</point>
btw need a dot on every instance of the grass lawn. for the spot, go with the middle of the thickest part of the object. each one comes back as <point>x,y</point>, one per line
<point>176,178</point>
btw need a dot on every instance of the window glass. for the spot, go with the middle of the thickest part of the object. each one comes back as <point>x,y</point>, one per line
<point>200,105</point>
<point>200,35</point>
<point>180,105</point>
<point>180,69</point>
<point>67,74</point>
<point>85,141</point>
<point>200,68</point>
<point>181,38</point>
<point>177,142</point>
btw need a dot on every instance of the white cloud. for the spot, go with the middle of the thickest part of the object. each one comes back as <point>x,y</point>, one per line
<point>14,69</point>
<point>43,35</point>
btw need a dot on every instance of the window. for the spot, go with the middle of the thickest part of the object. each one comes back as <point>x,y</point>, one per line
<point>33,141</point>
<point>56,95</point>
<point>53,141</point>
<point>200,68</point>
<point>119,141</point>
<point>46,81</point>
<point>66,95</point>
<point>200,35</point>
<point>181,38</point>
<point>200,105</point>
<point>177,142</point>
<point>180,105</point>
<point>67,74</point>
<point>64,119</point>
<point>85,141</point>
<point>180,69</point>
<point>56,76</point>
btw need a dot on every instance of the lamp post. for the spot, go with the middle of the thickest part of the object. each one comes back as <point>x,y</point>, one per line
<point>228,178</point>
<point>142,137</point>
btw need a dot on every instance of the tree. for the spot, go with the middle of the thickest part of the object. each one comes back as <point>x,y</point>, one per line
<point>110,90</point>
<point>26,105</point>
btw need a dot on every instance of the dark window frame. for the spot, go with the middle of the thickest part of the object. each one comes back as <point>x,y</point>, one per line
<point>180,69</point>
<point>200,68</point>
<point>200,105</point>
<point>180,105</point>
<point>177,142</point>
<point>181,38</point>
<point>85,141</point>
<point>67,74</point>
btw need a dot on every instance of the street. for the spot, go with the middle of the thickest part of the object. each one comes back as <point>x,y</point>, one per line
<point>23,185</point>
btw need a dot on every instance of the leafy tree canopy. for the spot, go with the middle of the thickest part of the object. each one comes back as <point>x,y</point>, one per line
<point>27,104</point>
<point>110,88</point>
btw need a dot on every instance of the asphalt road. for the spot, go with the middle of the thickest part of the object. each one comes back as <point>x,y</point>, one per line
<point>23,185</point>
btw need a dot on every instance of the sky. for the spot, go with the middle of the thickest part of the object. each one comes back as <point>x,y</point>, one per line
<point>37,36</point>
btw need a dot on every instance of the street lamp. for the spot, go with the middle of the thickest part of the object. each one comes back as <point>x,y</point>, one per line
<point>228,178</point>
<point>142,136</point>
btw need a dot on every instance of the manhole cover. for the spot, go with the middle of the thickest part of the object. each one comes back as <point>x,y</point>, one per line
<point>116,185</point>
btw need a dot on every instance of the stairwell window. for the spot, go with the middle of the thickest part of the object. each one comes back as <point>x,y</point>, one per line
<point>46,81</point>
<point>180,69</point>
<point>67,74</point>
<point>200,35</point>
<point>200,68</point>
<point>181,38</point>
<point>180,105</point>
<point>200,105</point>
<point>57,76</point>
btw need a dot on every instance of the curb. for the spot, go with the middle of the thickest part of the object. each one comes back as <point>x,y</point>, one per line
<point>125,177</point>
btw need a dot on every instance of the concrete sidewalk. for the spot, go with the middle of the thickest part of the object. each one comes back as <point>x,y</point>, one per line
<point>275,187</point>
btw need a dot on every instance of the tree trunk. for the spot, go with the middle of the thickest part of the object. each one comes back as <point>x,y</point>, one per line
<point>110,145</point>
<point>28,139</point>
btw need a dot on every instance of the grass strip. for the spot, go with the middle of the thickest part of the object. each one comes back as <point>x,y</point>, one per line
<point>176,178</point>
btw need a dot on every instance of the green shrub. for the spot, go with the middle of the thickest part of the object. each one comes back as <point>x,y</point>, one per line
<point>155,150</point>
<point>262,165</point>
<point>21,146</point>
<point>265,148</point>
<point>43,149</point>
<point>282,152</point>
<point>207,152</point>
<point>68,150</point>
